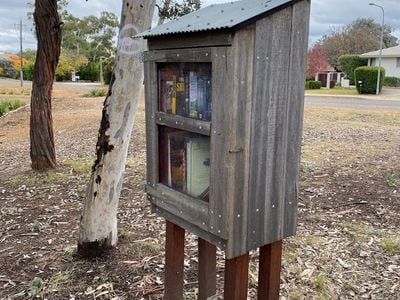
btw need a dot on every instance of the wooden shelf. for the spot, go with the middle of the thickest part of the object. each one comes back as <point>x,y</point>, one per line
<point>188,124</point>
<point>190,209</point>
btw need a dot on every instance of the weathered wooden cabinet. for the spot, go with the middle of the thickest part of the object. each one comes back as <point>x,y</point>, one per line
<point>224,92</point>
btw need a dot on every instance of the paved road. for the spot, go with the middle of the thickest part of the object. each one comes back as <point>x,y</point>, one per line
<point>81,86</point>
<point>353,102</point>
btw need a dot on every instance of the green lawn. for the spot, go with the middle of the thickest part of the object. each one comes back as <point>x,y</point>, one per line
<point>336,91</point>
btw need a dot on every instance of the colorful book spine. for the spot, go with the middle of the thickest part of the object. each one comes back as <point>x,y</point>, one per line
<point>208,99</point>
<point>187,95</point>
<point>176,153</point>
<point>181,97</point>
<point>201,97</point>
<point>193,95</point>
<point>173,96</point>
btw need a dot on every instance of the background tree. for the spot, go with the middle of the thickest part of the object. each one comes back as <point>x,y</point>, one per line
<point>69,62</point>
<point>48,33</point>
<point>90,36</point>
<point>163,10</point>
<point>359,37</point>
<point>98,230</point>
<point>169,9</point>
<point>317,61</point>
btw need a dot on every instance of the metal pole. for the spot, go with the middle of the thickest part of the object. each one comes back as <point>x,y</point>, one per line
<point>21,73</point>
<point>380,49</point>
<point>101,72</point>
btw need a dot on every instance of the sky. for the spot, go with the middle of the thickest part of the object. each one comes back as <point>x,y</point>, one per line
<point>325,15</point>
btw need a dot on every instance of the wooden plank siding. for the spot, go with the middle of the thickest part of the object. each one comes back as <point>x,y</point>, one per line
<point>276,120</point>
<point>151,128</point>
<point>269,128</point>
<point>298,59</point>
<point>238,112</point>
<point>191,40</point>
<point>220,127</point>
<point>198,55</point>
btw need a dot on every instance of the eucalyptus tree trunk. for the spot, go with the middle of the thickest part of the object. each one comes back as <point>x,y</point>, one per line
<point>48,33</point>
<point>98,228</point>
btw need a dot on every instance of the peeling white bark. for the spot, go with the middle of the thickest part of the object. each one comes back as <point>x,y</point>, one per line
<point>98,228</point>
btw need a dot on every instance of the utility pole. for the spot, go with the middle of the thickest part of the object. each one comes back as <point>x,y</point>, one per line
<point>101,71</point>
<point>21,73</point>
<point>380,47</point>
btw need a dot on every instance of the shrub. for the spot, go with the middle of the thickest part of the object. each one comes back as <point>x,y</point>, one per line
<point>28,70</point>
<point>6,106</point>
<point>392,81</point>
<point>313,85</point>
<point>7,69</point>
<point>89,72</point>
<point>368,77</point>
<point>349,62</point>
<point>96,93</point>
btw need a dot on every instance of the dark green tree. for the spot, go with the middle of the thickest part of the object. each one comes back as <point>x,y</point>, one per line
<point>349,62</point>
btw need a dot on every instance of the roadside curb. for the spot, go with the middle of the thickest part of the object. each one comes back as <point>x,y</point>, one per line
<point>377,98</point>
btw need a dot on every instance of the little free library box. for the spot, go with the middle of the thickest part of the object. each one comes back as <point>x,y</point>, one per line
<point>224,89</point>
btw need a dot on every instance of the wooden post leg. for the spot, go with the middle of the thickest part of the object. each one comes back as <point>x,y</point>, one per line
<point>236,278</point>
<point>207,270</point>
<point>269,271</point>
<point>174,256</point>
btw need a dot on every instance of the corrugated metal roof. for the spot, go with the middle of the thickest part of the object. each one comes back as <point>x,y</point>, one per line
<point>388,52</point>
<point>217,16</point>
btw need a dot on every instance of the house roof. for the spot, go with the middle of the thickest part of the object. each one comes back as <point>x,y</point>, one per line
<point>388,52</point>
<point>219,16</point>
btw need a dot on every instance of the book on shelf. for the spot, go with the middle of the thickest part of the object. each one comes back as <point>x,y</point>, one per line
<point>181,97</point>
<point>208,93</point>
<point>197,165</point>
<point>176,152</point>
<point>188,163</point>
<point>168,92</point>
<point>185,93</point>
<point>173,96</point>
<point>193,94</point>
<point>201,102</point>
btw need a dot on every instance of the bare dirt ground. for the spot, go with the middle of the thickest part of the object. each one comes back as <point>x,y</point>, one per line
<point>348,242</point>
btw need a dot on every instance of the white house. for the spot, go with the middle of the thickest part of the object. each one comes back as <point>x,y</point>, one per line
<point>390,60</point>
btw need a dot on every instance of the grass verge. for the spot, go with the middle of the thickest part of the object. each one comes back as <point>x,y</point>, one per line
<point>9,105</point>
<point>335,91</point>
